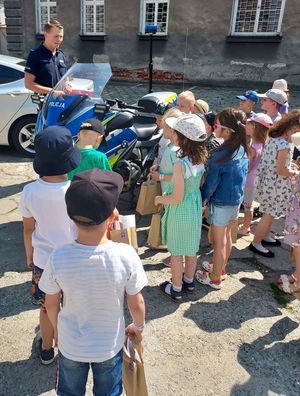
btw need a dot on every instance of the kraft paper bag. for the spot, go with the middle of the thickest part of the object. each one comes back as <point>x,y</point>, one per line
<point>134,380</point>
<point>149,190</point>
<point>125,231</point>
<point>154,235</point>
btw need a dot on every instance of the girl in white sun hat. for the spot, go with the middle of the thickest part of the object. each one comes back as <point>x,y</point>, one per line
<point>257,129</point>
<point>283,86</point>
<point>182,219</point>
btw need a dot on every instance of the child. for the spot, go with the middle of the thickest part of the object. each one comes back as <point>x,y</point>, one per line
<point>186,102</point>
<point>290,284</point>
<point>212,142</point>
<point>271,101</point>
<point>257,129</point>
<point>90,136</point>
<point>223,191</point>
<point>201,107</point>
<point>165,171</point>
<point>181,222</point>
<point>282,84</point>
<point>45,220</point>
<point>93,273</point>
<point>274,181</point>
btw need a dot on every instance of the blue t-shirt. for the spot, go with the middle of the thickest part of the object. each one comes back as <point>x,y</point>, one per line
<point>46,67</point>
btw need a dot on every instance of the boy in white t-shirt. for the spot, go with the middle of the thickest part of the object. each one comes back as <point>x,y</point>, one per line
<point>45,220</point>
<point>94,274</point>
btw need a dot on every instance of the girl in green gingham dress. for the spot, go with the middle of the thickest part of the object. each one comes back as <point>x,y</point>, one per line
<point>181,222</point>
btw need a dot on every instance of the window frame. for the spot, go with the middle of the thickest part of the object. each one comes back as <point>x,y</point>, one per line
<point>254,33</point>
<point>84,3</point>
<point>143,7</point>
<point>38,15</point>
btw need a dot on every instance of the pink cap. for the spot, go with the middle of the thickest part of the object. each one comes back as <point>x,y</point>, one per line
<point>261,118</point>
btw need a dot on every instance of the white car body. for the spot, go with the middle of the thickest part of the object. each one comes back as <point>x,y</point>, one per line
<point>15,104</point>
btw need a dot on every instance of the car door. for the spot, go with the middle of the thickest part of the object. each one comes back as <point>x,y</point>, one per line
<point>13,93</point>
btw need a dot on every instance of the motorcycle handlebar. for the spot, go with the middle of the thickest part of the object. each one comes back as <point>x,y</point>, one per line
<point>122,105</point>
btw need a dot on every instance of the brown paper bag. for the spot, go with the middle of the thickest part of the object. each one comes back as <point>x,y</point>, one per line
<point>149,190</point>
<point>125,235</point>
<point>134,380</point>
<point>154,235</point>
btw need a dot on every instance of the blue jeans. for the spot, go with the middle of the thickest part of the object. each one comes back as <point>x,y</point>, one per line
<point>107,376</point>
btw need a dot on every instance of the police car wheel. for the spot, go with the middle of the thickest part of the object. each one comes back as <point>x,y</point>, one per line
<point>22,135</point>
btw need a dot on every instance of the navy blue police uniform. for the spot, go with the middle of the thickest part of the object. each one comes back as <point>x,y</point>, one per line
<point>46,67</point>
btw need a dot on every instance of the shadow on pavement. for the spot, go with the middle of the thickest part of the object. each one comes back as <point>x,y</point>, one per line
<point>273,368</point>
<point>12,250</point>
<point>9,154</point>
<point>243,305</point>
<point>15,299</point>
<point>27,377</point>
<point>13,189</point>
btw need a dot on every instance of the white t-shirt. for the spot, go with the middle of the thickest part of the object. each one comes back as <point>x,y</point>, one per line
<point>93,279</point>
<point>45,202</point>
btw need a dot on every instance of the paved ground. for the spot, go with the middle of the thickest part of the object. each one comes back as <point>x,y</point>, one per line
<point>242,340</point>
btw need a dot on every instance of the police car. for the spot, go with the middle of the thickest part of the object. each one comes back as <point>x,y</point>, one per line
<point>18,113</point>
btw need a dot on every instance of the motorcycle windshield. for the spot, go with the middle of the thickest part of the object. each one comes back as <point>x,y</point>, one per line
<point>81,79</point>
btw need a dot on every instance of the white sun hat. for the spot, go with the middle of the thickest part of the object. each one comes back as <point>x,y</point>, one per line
<point>189,125</point>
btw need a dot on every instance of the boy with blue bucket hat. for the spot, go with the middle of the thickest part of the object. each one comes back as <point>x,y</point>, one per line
<point>45,220</point>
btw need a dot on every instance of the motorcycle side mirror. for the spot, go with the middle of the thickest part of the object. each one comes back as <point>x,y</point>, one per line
<point>101,109</point>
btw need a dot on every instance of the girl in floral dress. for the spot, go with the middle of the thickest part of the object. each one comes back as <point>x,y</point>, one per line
<point>181,222</point>
<point>273,186</point>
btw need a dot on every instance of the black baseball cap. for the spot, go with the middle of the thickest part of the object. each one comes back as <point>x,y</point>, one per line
<point>93,194</point>
<point>93,124</point>
<point>55,152</point>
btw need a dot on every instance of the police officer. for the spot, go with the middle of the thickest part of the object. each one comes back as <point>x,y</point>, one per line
<point>46,64</point>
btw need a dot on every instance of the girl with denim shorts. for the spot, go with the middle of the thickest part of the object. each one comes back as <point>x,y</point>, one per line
<point>257,130</point>
<point>223,191</point>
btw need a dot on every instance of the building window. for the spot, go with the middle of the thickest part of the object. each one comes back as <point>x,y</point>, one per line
<point>45,11</point>
<point>257,17</point>
<point>93,17</point>
<point>155,12</point>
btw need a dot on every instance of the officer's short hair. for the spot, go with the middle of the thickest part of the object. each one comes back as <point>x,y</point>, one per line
<point>51,24</point>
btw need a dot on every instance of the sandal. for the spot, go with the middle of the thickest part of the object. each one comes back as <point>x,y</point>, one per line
<point>167,261</point>
<point>204,278</point>
<point>208,267</point>
<point>173,295</point>
<point>289,288</point>
<point>244,230</point>
<point>286,278</point>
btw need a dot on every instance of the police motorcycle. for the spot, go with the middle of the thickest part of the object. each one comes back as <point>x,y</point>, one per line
<point>132,135</point>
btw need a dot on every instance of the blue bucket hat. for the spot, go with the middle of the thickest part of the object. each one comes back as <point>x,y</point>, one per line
<point>55,152</point>
<point>249,95</point>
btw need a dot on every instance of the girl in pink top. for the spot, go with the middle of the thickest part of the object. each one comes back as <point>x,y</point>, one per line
<point>257,129</point>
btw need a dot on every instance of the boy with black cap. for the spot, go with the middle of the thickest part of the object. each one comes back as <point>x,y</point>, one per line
<point>94,274</point>
<point>91,136</point>
<point>45,219</point>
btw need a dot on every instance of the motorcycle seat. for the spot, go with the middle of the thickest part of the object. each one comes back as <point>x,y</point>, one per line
<point>143,131</point>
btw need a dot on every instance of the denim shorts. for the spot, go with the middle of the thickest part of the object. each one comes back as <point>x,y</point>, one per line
<point>72,376</point>
<point>221,216</point>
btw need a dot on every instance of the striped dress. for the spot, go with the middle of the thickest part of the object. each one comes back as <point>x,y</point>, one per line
<point>181,223</point>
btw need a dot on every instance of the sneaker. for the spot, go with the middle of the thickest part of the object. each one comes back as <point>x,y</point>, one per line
<point>174,295</point>
<point>188,287</point>
<point>46,356</point>
<point>208,267</point>
<point>203,278</point>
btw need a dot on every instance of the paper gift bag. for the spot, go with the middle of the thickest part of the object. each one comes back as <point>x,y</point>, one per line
<point>154,235</point>
<point>149,190</point>
<point>234,232</point>
<point>125,231</point>
<point>134,380</point>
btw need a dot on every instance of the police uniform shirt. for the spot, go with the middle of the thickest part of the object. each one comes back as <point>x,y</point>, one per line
<point>46,67</point>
